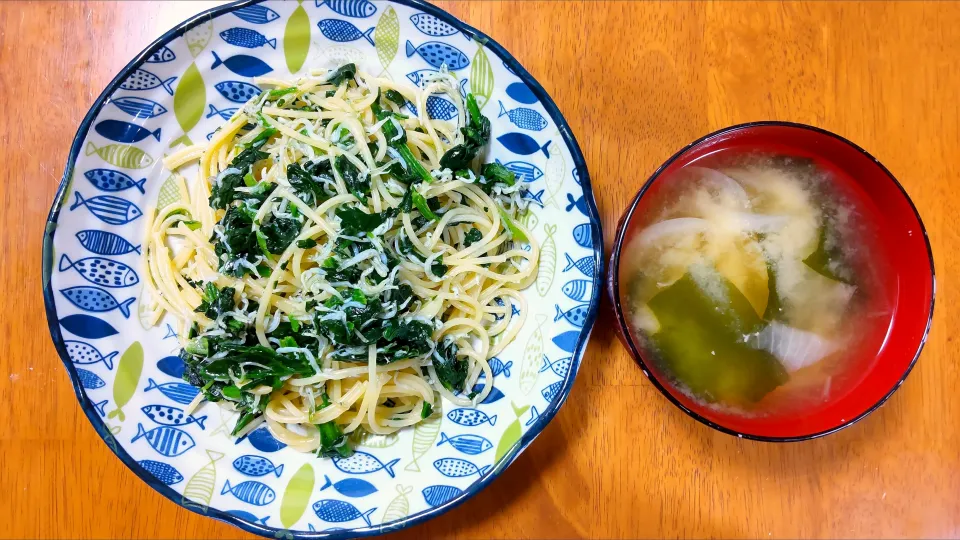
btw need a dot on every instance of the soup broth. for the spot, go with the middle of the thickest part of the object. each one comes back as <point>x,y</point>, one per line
<point>750,283</point>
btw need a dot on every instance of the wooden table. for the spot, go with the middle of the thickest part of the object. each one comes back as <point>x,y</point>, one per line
<point>636,81</point>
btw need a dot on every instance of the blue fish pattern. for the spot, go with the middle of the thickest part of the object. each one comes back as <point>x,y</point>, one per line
<point>101,271</point>
<point>108,209</point>
<point>576,175</point>
<point>139,107</point>
<point>251,492</point>
<point>111,180</point>
<point>211,134</point>
<point>343,31</point>
<point>497,366</point>
<point>363,463</point>
<point>439,495</point>
<point>256,14</point>
<point>578,289</point>
<point>247,38</point>
<point>226,114</point>
<point>523,144</point>
<point>171,333</point>
<point>524,118</point>
<point>142,79</point>
<point>437,108</point>
<point>124,132</point>
<point>162,471</point>
<point>100,406</point>
<point>526,172</point>
<point>253,465</point>
<point>468,444</point>
<point>262,440</point>
<point>166,440</point>
<point>88,326</point>
<point>237,91</point>
<point>534,415</point>
<point>172,366</point>
<point>567,341</point>
<point>437,53</point>
<point>182,393</point>
<point>96,300</point>
<point>358,9</point>
<point>441,109</point>
<point>350,487</point>
<point>521,93</point>
<point>576,315</point>
<point>243,65</point>
<point>162,56</point>
<point>471,417</point>
<point>419,77</point>
<point>579,203</point>
<point>431,25</point>
<point>105,243</point>
<point>534,198</point>
<point>458,468</point>
<point>335,511</point>
<point>247,516</point>
<point>171,416</point>
<point>583,235</point>
<point>84,354</point>
<point>494,396</point>
<point>551,391</point>
<point>89,379</point>
<point>561,367</point>
<point>585,265</point>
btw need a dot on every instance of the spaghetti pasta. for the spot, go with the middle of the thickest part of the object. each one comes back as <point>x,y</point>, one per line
<point>337,264</point>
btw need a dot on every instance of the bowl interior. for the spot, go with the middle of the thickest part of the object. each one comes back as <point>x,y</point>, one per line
<point>901,254</point>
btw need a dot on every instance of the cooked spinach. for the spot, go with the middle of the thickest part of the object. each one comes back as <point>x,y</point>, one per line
<point>357,185</point>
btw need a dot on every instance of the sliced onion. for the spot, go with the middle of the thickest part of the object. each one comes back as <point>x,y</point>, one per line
<point>724,182</point>
<point>672,227</point>
<point>794,348</point>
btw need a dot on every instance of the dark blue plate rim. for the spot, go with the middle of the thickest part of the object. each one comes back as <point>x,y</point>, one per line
<point>86,405</point>
<point>624,329</point>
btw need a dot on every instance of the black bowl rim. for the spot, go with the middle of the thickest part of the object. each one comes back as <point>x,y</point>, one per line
<point>614,280</point>
<point>593,215</point>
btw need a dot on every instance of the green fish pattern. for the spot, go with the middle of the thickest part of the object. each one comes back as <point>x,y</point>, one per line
<point>548,261</point>
<point>127,379</point>
<point>199,489</point>
<point>198,37</point>
<point>145,309</point>
<point>399,507</point>
<point>553,173</point>
<point>363,437</point>
<point>387,37</point>
<point>424,435</point>
<point>189,102</point>
<point>481,77</point>
<point>296,39</point>
<point>532,351</point>
<point>121,155</point>
<point>169,193</point>
<point>297,496</point>
<point>529,219</point>
<point>512,434</point>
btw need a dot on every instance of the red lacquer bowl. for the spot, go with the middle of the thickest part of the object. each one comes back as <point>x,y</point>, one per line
<point>904,250</point>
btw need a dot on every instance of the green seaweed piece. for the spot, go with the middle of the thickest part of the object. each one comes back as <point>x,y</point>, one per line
<point>819,260</point>
<point>700,341</point>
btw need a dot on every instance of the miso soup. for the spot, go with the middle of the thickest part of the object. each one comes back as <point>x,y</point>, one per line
<point>751,282</point>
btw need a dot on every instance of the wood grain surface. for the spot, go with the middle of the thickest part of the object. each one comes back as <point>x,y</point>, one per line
<point>636,81</point>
